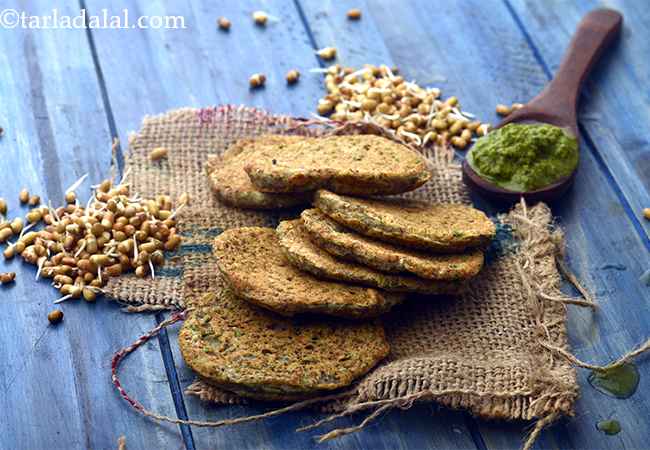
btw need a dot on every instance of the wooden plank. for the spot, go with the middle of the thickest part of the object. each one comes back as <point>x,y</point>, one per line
<point>612,117</point>
<point>425,56</point>
<point>612,113</point>
<point>55,383</point>
<point>358,43</point>
<point>370,41</point>
<point>201,65</point>
<point>423,426</point>
<point>221,63</point>
<point>488,62</point>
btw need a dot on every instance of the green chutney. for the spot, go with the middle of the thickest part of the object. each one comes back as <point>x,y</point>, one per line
<point>525,157</point>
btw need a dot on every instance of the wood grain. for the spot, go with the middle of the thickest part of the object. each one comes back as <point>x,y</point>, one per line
<point>592,203</point>
<point>54,381</point>
<point>614,109</point>
<point>557,103</point>
<point>221,64</point>
<point>608,124</point>
<point>201,65</point>
<point>485,52</point>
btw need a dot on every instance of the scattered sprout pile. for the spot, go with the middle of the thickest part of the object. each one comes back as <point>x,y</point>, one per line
<point>81,247</point>
<point>413,113</point>
<point>377,94</point>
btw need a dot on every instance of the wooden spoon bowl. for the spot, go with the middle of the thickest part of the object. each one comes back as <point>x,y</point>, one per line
<point>557,103</point>
<point>493,192</point>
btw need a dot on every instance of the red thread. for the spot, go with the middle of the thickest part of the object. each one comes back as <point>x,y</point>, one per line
<point>122,353</point>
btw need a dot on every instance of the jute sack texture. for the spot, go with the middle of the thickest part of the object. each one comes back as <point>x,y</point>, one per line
<point>486,352</point>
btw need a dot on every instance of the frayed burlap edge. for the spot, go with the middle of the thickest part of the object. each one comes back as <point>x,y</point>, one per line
<point>173,130</point>
<point>545,403</point>
<point>554,391</point>
<point>149,180</point>
<point>548,394</point>
<point>449,188</point>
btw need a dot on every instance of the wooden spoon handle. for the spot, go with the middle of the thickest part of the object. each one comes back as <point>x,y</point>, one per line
<point>595,32</point>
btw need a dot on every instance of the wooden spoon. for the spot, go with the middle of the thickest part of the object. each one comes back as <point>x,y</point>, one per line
<point>557,103</point>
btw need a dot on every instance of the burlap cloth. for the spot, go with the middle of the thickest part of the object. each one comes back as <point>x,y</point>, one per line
<point>488,352</point>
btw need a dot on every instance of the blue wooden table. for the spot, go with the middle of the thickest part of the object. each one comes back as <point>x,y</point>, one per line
<point>65,93</point>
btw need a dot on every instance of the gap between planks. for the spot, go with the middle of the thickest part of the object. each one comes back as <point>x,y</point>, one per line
<point>163,337</point>
<point>585,134</point>
<point>110,118</point>
<point>470,422</point>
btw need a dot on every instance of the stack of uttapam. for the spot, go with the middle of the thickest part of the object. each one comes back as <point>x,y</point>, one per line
<point>275,331</point>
